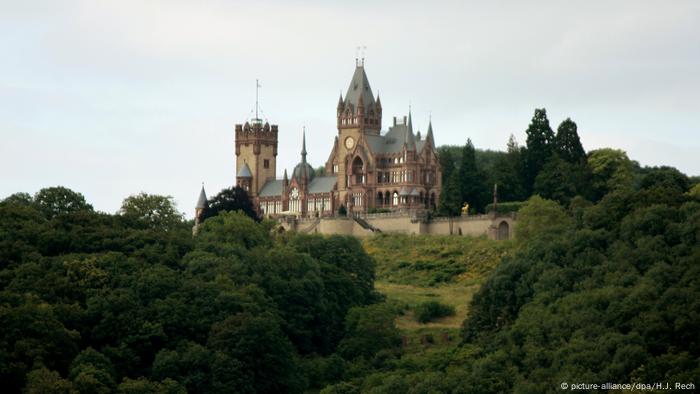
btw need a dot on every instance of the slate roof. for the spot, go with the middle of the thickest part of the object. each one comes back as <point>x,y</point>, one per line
<point>272,188</point>
<point>359,87</point>
<point>415,192</point>
<point>393,140</point>
<point>202,200</point>
<point>322,184</point>
<point>245,172</point>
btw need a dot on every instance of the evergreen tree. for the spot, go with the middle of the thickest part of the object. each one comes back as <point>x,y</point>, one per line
<point>447,162</point>
<point>567,144</point>
<point>471,180</point>
<point>507,173</point>
<point>540,138</point>
<point>451,196</point>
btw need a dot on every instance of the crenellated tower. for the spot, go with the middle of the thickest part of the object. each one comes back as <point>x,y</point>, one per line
<point>256,155</point>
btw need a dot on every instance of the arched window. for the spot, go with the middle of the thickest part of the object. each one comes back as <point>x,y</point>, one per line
<point>396,199</point>
<point>357,171</point>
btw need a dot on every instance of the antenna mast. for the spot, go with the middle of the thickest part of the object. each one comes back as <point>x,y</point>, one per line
<point>257,86</point>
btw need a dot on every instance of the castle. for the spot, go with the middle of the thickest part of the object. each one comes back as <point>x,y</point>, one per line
<point>366,169</point>
<point>368,173</point>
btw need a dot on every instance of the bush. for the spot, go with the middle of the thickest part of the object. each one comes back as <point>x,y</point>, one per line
<point>431,310</point>
<point>505,207</point>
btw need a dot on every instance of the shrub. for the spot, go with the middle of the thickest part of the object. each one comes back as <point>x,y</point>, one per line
<point>431,310</point>
<point>505,207</point>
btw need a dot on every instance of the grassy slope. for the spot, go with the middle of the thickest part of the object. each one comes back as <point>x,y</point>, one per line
<point>448,269</point>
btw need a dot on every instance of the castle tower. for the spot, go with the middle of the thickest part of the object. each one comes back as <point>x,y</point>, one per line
<point>256,155</point>
<point>199,208</point>
<point>359,114</point>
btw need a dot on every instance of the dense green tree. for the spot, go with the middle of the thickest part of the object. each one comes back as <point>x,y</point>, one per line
<point>53,201</point>
<point>611,170</point>
<point>540,140</point>
<point>24,199</point>
<point>263,354</point>
<point>145,386</point>
<point>567,144</point>
<point>507,173</point>
<point>471,179</point>
<point>448,161</point>
<point>540,216</point>
<point>231,199</point>
<point>695,191</point>
<point>369,330</point>
<point>44,381</point>
<point>156,212</point>
<point>451,196</point>
<point>561,181</point>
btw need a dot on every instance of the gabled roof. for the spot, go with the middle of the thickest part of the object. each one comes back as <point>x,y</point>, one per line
<point>359,87</point>
<point>244,172</point>
<point>403,191</point>
<point>202,200</point>
<point>322,184</point>
<point>272,188</point>
<point>392,141</point>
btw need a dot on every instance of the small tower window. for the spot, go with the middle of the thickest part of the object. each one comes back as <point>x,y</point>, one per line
<point>266,163</point>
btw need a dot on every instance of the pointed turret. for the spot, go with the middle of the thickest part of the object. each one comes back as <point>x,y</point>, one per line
<point>285,178</point>
<point>429,137</point>
<point>359,109</point>
<point>199,208</point>
<point>303,171</point>
<point>359,87</point>
<point>303,146</point>
<point>202,200</point>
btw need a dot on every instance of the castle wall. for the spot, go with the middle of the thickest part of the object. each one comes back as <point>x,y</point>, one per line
<point>474,226</point>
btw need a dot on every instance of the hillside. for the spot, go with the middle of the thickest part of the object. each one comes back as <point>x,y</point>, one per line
<point>414,269</point>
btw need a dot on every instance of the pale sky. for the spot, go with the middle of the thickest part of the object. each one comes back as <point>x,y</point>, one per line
<point>111,98</point>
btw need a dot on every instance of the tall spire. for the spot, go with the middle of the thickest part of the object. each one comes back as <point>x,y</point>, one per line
<point>410,123</point>
<point>429,136</point>
<point>202,200</point>
<point>303,146</point>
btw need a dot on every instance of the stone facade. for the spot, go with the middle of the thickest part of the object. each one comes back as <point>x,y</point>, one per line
<point>492,226</point>
<point>366,169</point>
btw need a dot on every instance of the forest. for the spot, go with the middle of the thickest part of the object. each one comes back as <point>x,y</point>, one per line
<point>601,284</point>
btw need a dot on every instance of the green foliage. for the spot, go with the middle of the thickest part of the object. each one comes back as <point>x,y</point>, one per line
<point>506,207</point>
<point>451,196</point>
<point>231,199</point>
<point>540,217</point>
<point>567,144</point>
<point>540,139</point>
<point>695,191</point>
<point>369,330</point>
<point>157,212</point>
<point>507,173</point>
<point>472,181</point>
<point>428,260</point>
<point>44,381</point>
<point>611,170</point>
<point>131,303</point>
<point>561,180</point>
<point>431,310</point>
<point>145,386</point>
<point>53,201</point>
